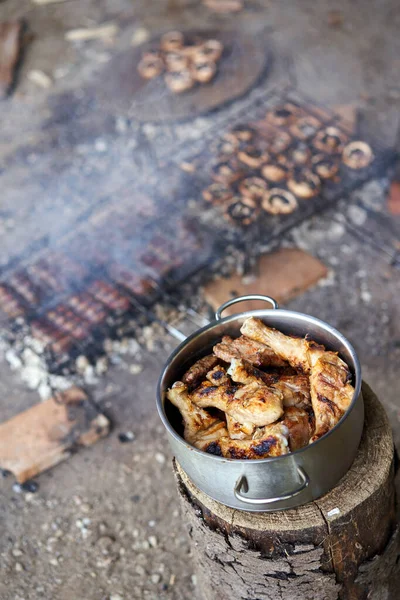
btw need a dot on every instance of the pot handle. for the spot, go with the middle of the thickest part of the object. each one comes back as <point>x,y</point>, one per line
<point>220,310</point>
<point>243,485</point>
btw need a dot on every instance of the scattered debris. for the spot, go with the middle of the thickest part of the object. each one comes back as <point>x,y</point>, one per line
<point>43,435</point>
<point>393,201</point>
<point>333,512</point>
<point>29,486</point>
<point>107,30</point>
<point>49,1</point>
<point>188,167</point>
<point>224,6</point>
<point>335,18</point>
<point>283,275</point>
<point>10,48</point>
<point>160,458</point>
<point>126,437</point>
<point>140,36</point>
<point>153,542</point>
<point>135,369</point>
<point>40,79</point>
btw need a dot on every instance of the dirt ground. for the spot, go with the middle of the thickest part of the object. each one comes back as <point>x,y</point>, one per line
<point>105,524</point>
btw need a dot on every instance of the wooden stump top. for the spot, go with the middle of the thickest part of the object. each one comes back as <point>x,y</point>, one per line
<point>344,529</point>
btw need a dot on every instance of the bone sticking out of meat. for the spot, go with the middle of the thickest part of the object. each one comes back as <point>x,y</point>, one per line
<point>251,403</point>
<point>295,389</point>
<point>242,371</point>
<point>293,350</point>
<point>268,441</point>
<point>197,372</point>
<point>218,376</point>
<point>300,423</point>
<point>331,392</point>
<point>254,352</point>
<point>199,426</point>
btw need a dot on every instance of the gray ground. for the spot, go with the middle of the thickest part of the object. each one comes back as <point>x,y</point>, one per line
<point>105,524</point>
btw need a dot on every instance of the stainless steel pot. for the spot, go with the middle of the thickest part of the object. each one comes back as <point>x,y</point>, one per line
<point>273,483</point>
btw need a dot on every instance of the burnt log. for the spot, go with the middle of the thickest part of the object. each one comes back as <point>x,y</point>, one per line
<point>344,545</point>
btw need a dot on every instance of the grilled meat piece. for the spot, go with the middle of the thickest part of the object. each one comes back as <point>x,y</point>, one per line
<point>295,389</point>
<point>200,428</point>
<point>300,423</point>
<point>253,403</point>
<point>244,372</point>
<point>197,372</point>
<point>239,431</point>
<point>331,392</point>
<point>255,353</point>
<point>218,376</point>
<point>271,440</point>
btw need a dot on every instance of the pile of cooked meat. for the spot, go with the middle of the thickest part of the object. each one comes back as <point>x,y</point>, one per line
<point>182,65</point>
<point>262,394</point>
<point>272,164</point>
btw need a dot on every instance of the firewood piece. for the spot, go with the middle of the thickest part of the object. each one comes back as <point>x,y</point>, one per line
<point>46,433</point>
<point>344,544</point>
<point>10,46</point>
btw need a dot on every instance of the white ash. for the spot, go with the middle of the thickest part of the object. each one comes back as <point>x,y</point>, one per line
<point>357,215</point>
<point>329,280</point>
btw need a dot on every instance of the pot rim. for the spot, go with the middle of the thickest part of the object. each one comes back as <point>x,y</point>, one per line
<point>259,313</point>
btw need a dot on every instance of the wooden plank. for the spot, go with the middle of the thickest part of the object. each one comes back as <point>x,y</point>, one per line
<point>283,275</point>
<point>46,433</point>
<point>10,46</point>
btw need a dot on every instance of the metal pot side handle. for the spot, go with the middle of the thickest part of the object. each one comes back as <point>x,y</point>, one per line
<point>220,310</point>
<point>243,485</point>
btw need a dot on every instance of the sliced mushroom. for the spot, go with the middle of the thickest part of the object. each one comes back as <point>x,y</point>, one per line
<point>242,211</point>
<point>252,187</point>
<point>279,202</point>
<point>304,183</point>
<point>357,155</point>
<point>173,40</point>
<point>179,81</point>
<point>275,173</point>
<point>217,193</point>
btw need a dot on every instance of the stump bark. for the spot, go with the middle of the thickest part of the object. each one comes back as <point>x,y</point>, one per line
<point>343,546</point>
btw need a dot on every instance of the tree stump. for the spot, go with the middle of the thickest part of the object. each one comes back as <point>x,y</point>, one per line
<point>344,545</point>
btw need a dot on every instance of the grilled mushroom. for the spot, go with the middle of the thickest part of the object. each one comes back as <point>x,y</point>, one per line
<point>275,173</point>
<point>243,133</point>
<point>325,167</point>
<point>204,72</point>
<point>242,211</point>
<point>305,127</point>
<point>225,172</point>
<point>225,146</point>
<point>176,61</point>
<point>252,187</point>
<point>217,193</point>
<point>304,183</point>
<point>179,81</point>
<point>252,157</point>
<point>150,65</point>
<point>330,140</point>
<point>209,51</point>
<point>357,155</point>
<point>279,202</point>
<point>280,142</point>
<point>173,40</point>
<point>300,154</point>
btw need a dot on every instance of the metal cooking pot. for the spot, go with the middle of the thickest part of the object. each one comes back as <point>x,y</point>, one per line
<point>276,483</point>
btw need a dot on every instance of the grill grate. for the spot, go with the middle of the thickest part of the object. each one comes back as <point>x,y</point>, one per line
<point>140,245</point>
